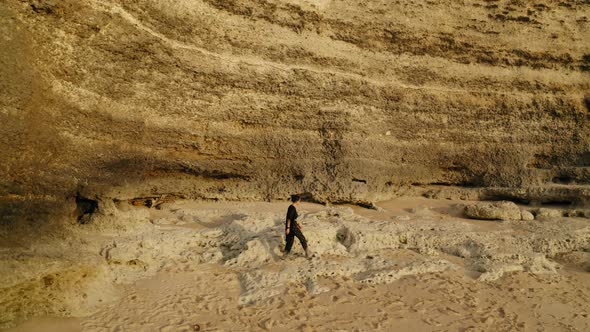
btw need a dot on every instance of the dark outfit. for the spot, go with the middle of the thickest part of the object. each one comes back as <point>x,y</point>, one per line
<point>295,231</point>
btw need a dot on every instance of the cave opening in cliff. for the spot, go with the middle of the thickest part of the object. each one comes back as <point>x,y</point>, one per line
<point>85,207</point>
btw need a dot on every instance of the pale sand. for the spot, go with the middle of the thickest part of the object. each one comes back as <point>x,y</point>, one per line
<point>442,273</point>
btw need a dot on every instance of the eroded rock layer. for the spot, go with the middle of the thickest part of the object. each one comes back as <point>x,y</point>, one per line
<point>348,101</point>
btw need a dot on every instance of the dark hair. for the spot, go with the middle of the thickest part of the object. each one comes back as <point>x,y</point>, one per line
<point>295,198</point>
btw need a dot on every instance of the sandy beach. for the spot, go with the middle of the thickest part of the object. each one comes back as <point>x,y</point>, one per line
<point>414,264</point>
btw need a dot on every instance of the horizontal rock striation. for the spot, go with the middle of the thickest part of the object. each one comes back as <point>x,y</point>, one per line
<point>260,99</point>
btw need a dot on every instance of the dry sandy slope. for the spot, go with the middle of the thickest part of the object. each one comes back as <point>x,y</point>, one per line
<point>414,265</point>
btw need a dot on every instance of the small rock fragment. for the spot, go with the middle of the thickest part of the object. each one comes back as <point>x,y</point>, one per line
<point>526,215</point>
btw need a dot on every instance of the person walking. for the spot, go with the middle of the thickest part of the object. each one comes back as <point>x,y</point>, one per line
<point>293,228</point>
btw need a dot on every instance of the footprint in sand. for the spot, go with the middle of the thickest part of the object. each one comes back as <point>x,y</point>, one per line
<point>178,328</point>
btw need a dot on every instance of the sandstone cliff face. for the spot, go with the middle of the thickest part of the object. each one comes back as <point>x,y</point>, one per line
<point>250,99</point>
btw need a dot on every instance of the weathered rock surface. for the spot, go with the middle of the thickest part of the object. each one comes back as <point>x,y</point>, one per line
<point>76,274</point>
<point>502,210</point>
<point>526,215</point>
<point>105,101</point>
<point>258,99</point>
<point>548,213</point>
<point>64,276</point>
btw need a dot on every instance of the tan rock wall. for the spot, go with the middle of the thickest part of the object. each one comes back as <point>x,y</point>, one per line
<point>260,99</point>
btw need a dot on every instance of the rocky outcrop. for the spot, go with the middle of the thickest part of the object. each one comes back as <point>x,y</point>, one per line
<point>493,211</point>
<point>548,213</point>
<point>77,274</point>
<point>260,99</point>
